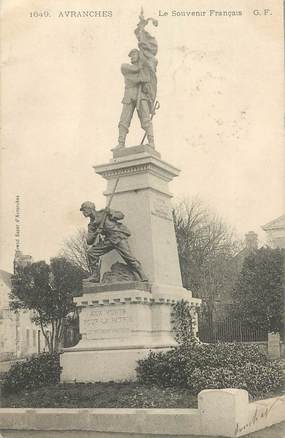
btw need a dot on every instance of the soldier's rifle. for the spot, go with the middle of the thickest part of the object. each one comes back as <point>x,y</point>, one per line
<point>156,107</point>
<point>105,214</point>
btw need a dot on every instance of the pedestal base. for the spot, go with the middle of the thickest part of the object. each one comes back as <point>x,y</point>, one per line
<point>118,328</point>
<point>101,366</point>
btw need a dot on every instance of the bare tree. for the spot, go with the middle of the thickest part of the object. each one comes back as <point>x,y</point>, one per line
<point>75,249</point>
<point>206,247</point>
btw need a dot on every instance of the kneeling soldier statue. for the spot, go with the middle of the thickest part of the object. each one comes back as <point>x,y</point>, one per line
<point>105,233</point>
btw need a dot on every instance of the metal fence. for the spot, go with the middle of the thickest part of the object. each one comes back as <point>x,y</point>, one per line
<point>229,330</point>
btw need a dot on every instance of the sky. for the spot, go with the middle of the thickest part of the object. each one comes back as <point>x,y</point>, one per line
<point>220,87</point>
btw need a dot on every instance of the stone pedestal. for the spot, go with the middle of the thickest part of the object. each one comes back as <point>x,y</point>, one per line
<point>121,322</point>
<point>142,194</point>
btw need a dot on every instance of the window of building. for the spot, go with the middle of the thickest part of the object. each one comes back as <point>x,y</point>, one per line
<point>39,341</point>
<point>28,337</point>
<point>48,335</point>
<point>34,338</point>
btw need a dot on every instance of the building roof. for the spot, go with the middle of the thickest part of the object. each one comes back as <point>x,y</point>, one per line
<point>6,277</point>
<point>275,224</point>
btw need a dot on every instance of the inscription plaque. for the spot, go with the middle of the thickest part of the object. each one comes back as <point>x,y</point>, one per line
<point>161,208</point>
<point>106,319</point>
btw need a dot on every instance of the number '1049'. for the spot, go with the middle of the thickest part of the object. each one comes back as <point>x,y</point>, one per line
<point>40,14</point>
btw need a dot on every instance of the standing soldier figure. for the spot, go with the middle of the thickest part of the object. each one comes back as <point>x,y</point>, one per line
<point>140,84</point>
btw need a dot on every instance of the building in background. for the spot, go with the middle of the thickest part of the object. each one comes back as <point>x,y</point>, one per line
<point>8,324</point>
<point>275,231</point>
<point>251,245</point>
<point>19,336</point>
<point>21,260</point>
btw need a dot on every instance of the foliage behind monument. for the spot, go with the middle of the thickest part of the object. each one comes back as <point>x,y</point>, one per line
<point>259,292</point>
<point>48,290</point>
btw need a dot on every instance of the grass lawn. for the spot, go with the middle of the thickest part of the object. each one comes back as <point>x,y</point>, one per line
<point>101,395</point>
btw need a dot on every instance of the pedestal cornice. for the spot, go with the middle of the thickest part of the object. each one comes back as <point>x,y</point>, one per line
<point>138,163</point>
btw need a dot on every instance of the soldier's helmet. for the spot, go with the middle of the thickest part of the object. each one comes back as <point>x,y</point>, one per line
<point>87,205</point>
<point>133,51</point>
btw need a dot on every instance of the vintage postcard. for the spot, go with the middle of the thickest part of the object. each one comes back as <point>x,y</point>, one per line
<point>138,107</point>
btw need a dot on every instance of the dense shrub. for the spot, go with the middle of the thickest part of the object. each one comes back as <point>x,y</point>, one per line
<point>32,373</point>
<point>182,324</point>
<point>254,378</point>
<point>205,366</point>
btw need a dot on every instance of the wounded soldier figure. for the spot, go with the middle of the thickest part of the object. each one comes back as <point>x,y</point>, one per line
<point>114,235</point>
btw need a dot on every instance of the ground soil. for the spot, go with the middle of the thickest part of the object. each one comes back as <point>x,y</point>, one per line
<point>102,395</point>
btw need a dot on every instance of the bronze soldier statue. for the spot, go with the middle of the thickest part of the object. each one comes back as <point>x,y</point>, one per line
<point>140,84</point>
<point>114,235</point>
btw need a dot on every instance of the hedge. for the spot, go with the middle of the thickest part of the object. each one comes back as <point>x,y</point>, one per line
<point>33,373</point>
<point>205,366</point>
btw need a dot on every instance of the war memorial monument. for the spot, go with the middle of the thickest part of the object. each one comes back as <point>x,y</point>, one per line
<point>126,304</point>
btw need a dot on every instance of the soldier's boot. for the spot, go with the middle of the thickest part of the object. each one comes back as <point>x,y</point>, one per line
<point>94,262</point>
<point>94,277</point>
<point>139,271</point>
<point>122,137</point>
<point>150,137</point>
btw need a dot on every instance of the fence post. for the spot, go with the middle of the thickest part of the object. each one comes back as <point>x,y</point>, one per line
<point>273,345</point>
<point>240,331</point>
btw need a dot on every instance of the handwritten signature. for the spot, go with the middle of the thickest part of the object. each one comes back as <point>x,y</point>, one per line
<point>259,415</point>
